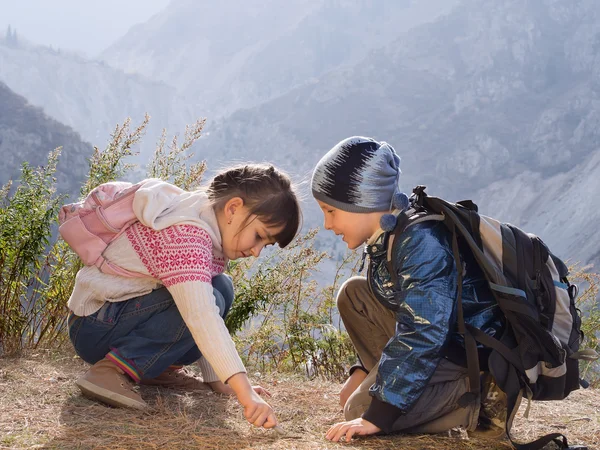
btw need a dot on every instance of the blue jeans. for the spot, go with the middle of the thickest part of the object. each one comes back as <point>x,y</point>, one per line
<point>147,330</point>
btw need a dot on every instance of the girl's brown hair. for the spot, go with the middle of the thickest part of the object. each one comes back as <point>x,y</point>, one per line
<point>267,192</point>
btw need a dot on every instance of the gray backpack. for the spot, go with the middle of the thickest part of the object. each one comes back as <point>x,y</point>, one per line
<point>538,355</point>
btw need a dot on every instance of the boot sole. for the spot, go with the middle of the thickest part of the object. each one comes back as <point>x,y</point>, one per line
<point>495,434</point>
<point>112,398</point>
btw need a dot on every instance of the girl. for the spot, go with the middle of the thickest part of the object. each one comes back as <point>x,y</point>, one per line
<point>144,330</point>
<point>406,379</point>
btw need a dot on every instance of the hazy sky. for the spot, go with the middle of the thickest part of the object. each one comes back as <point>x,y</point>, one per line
<point>82,25</point>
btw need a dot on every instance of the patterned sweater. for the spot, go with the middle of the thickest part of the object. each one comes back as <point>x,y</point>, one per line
<point>177,244</point>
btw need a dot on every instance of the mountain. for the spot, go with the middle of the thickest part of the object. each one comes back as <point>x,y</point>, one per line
<point>489,98</point>
<point>563,208</point>
<point>494,100</point>
<point>90,96</point>
<point>231,54</point>
<point>28,134</point>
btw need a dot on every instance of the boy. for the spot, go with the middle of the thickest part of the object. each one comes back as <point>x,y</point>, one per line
<point>411,376</point>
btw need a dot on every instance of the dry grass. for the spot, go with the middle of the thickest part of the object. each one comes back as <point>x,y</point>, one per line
<point>40,407</point>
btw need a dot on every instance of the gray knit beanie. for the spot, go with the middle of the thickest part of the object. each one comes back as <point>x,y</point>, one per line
<point>359,174</point>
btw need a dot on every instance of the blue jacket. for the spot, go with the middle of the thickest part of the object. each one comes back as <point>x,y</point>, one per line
<point>425,306</point>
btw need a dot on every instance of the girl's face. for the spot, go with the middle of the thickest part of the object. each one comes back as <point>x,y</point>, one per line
<point>356,228</point>
<point>244,234</point>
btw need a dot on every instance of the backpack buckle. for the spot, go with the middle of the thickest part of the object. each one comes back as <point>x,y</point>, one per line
<point>418,195</point>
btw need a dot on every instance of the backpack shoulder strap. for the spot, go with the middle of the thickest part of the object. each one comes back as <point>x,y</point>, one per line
<point>463,220</point>
<point>436,209</point>
<point>404,220</point>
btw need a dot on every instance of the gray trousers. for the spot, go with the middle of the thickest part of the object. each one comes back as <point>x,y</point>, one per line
<point>370,326</point>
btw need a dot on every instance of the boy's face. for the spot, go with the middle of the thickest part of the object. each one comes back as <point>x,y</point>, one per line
<point>356,228</point>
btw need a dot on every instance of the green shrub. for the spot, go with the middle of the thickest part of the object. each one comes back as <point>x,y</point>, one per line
<point>37,271</point>
<point>282,319</point>
<point>289,317</point>
<point>26,216</point>
<point>587,302</point>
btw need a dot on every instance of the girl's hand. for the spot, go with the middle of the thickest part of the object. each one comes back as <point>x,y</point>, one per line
<point>256,410</point>
<point>261,391</point>
<point>360,427</point>
<point>221,388</point>
<point>351,385</point>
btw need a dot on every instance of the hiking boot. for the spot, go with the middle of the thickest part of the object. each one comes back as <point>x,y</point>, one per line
<point>493,403</point>
<point>488,432</point>
<point>177,378</point>
<point>492,412</point>
<point>106,382</point>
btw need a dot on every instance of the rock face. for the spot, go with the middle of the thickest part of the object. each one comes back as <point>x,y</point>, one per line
<point>493,100</point>
<point>90,96</point>
<point>496,101</point>
<point>27,134</point>
<point>233,54</point>
<point>561,208</point>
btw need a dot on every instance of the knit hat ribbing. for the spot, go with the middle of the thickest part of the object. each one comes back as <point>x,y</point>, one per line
<point>358,174</point>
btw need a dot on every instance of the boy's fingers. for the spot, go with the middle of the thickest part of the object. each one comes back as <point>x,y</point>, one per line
<point>333,431</point>
<point>328,433</point>
<point>342,430</point>
<point>351,432</point>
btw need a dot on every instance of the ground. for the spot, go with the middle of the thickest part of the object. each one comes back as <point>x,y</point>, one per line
<point>40,407</point>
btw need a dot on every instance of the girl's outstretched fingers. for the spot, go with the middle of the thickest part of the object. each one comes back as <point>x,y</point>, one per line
<point>261,391</point>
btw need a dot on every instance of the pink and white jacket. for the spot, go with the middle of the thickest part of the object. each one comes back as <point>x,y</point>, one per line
<point>177,244</point>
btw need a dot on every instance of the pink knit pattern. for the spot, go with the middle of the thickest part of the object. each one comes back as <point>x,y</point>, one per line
<point>177,254</point>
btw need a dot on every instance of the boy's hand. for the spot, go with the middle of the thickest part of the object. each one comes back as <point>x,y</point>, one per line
<point>358,426</point>
<point>351,385</point>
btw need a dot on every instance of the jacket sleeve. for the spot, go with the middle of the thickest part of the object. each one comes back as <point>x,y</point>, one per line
<point>181,257</point>
<point>425,299</point>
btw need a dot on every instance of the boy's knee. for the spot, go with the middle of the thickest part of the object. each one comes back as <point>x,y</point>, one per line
<point>349,291</point>
<point>356,406</point>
